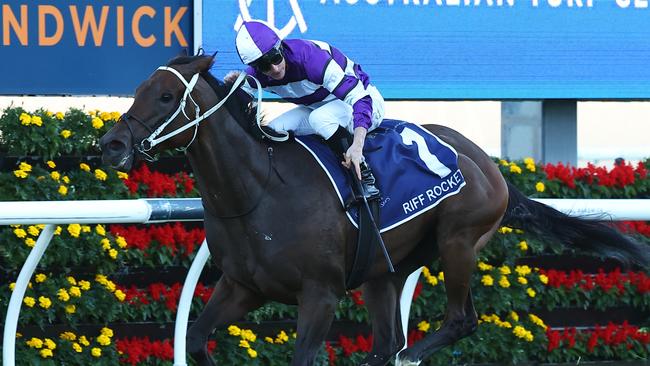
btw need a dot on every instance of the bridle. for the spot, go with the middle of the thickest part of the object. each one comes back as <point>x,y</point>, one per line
<point>155,138</point>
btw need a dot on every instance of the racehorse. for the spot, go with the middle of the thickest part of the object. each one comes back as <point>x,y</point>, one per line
<point>277,230</point>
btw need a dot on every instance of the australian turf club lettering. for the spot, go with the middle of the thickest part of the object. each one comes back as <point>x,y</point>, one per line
<point>432,194</point>
<point>47,25</point>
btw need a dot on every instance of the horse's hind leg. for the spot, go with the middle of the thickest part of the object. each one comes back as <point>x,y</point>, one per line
<point>458,259</point>
<point>228,303</point>
<point>316,306</point>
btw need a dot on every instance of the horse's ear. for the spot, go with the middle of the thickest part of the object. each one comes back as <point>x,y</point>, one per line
<point>204,63</point>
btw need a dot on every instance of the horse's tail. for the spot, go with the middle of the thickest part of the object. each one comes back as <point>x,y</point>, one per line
<point>574,232</point>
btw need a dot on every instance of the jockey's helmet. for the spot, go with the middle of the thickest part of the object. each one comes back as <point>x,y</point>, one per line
<point>258,45</point>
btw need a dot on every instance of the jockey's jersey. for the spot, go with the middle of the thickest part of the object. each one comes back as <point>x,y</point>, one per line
<point>317,73</point>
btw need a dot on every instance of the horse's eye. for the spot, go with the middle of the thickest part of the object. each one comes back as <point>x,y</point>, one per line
<point>166,98</point>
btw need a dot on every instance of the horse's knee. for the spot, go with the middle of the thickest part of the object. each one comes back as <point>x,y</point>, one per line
<point>196,342</point>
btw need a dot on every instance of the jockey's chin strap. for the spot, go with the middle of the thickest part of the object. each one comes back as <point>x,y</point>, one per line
<point>154,139</point>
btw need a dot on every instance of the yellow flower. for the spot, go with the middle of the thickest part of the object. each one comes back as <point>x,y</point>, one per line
<point>30,242</point>
<point>487,280</point>
<point>540,187</point>
<point>244,343</point>
<point>51,164</point>
<point>12,286</point>
<point>441,276</point>
<point>427,275</point>
<point>24,166</point>
<point>71,280</point>
<point>100,230</point>
<point>252,352</point>
<point>521,332</point>
<point>503,282</point>
<point>530,292</point>
<point>543,279</point>
<point>63,190</point>
<point>505,270</point>
<point>523,246</point>
<point>21,174</point>
<point>85,285</point>
<point>20,233</point>
<point>40,277</point>
<point>268,339</point>
<point>86,229</point>
<point>503,162</point>
<point>37,120</point>
<point>84,341</point>
<point>112,253</point>
<point>35,343</point>
<point>74,230</point>
<point>248,335</point>
<point>76,347</point>
<point>45,353</point>
<point>100,174</point>
<point>100,278</point>
<point>58,230</point>
<point>522,280</point>
<point>523,270</point>
<point>115,116</point>
<point>44,302</point>
<point>65,179</point>
<point>121,242</point>
<point>505,230</point>
<point>110,286</point>
<point>424,326</point>
<point>70,308</point>
<point>63,294</point>
<point>33,230</point>
<point>122,175</point>
<point>97,123</point>
<point>107,332</point>
<point>106,116</point>
<point>234,330</point>
<point>514,168</point>
<point>59,115</point>
<point>65,134</point>
<point>120,295</point>
<point>529,161</point>
<point>282,337</point>
<point>49,343</point>
<point>96,352</point>
<point>84,167</point>
<point>25,119</point>
<point>531,167</point>
<point>484,266</point>
<point>68,336</point>
<point>75,291</point>
<point>106,244</point>
<point>537,321</point>
<point>103,340</point>
<point>29,301</point>
<point>514,316</point>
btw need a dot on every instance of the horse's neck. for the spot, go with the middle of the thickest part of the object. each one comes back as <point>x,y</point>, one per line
<point>230,166</point>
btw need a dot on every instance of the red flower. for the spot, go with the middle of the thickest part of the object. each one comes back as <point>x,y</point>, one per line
<point>418,290</point>
<point>356,297</point>
<point>331,353</point>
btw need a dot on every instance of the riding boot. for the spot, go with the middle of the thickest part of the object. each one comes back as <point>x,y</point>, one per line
<point>339,143</point>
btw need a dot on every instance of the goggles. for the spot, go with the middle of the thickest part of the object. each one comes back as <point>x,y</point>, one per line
<point>269,59</point>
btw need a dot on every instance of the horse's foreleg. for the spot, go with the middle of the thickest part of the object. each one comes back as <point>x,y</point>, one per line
<point>458,259</point>
<point>316,306</point>
<point>228,303</point>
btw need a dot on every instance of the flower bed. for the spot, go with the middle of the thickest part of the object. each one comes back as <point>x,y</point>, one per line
<point>85,276</point>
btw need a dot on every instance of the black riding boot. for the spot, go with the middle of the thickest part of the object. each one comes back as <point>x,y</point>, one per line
<point>339,143</point>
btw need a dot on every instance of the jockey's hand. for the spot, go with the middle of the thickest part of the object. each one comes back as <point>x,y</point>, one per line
<point>231,77</point>
<point>354,157</point>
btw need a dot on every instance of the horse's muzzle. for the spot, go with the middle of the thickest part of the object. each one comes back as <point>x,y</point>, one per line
<point>116,153</point>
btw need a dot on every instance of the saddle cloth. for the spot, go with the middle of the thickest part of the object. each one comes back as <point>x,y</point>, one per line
<point>414,169</point>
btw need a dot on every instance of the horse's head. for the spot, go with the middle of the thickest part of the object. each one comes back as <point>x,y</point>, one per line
<point>160,116</point>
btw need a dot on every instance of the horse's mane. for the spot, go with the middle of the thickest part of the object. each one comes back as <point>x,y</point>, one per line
<point>241,107</point>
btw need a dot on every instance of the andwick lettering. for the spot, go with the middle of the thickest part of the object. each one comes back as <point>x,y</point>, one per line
<point>433,194</point>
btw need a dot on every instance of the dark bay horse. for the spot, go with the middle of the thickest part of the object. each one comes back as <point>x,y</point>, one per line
<point>277,230</point>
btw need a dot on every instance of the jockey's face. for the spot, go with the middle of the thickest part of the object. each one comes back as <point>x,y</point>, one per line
<point>277,71</point>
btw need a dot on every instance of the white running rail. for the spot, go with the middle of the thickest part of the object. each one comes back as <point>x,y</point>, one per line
<point>191,209</point>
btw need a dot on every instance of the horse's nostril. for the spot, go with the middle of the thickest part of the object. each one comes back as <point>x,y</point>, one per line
<point>115,146</point>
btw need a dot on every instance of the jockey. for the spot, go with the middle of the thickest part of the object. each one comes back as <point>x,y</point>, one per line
<point>334,96</point>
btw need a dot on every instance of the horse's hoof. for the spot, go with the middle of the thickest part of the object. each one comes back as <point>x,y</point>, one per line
<point>403,360</point>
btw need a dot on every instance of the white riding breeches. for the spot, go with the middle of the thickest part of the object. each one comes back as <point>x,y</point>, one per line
<point>325,119</point>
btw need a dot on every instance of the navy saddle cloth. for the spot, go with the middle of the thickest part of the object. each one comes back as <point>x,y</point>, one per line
<point>415,170</point>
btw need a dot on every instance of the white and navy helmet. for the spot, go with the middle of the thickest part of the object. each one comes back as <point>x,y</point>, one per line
<point>254,39</point>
